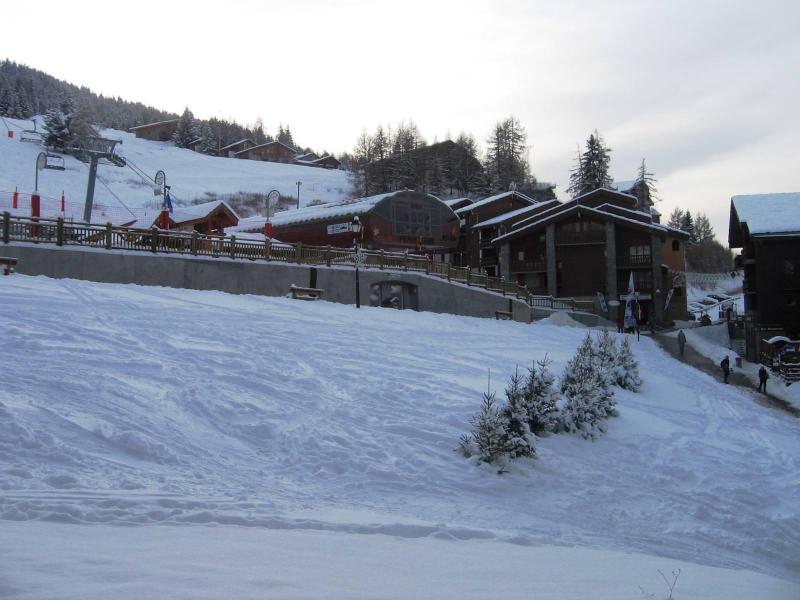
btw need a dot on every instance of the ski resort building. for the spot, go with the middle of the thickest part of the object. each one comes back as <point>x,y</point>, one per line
<point>160,131</point>
<point>589,245</point>
<point>209,218</point>
<point>396,221</point>
<point>270,152</point>
<point>474,250</point>
<point>231,149</point>
<point>767,229</point>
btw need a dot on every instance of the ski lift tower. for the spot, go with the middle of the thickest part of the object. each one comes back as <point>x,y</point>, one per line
<point>94,149</point>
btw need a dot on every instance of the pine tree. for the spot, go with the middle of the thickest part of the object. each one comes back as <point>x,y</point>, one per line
<point>185,134</point>
<point>489,433</point>
<point>592,170</point>
<point>58,125</point>
<point>582,388</point>
<point>703,231</point>
<point>606,358</point>
<point>688,225</point>
<point>506,155</point>
<point>285,136</point>
<point>676,218</point>
<point>521,441</point>
<point>7,103</point>
<point>575,186</point>
<point>209,144</point>
<point>541,397</point>
<point>627,368</point>
<point>645,186</point>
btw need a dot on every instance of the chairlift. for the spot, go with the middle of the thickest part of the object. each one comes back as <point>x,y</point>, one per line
<point>31,135</point>
<point>53,161</point>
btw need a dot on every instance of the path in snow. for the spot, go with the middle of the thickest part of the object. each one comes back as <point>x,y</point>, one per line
<point>126,404</point>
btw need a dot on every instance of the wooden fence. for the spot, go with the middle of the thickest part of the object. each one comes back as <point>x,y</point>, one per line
<point>109,237</point>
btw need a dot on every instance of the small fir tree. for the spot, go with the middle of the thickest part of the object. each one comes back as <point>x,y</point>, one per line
<point>489,433</point>
<point>582,411</point>
<point>521,441</point>
<point>541,397</point>
<point>606,358</point>
<point>58,125</point>
<point>627,368</point>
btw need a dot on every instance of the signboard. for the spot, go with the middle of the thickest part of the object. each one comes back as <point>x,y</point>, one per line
<point>339,228</point>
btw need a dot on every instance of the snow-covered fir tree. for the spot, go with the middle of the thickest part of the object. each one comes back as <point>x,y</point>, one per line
<point>521,441</point>
<point>687,225</point>
<point>285,136</point>
<point>7,103</point>
<point>583,390</point>
<point>208,143</point>
<point>489,433</point>
<point>185,134</point>
<point>646,184</point>
<point>541,398</point>
<point>606,362</point>
<point>58,132</point>
<point>627,368</point>
<point>591,172</point>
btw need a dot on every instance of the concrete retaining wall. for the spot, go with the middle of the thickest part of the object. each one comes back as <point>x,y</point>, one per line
<point>251,277</point>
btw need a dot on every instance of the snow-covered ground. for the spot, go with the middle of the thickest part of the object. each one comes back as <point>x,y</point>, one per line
<point>222,428</point>
<point>191,175</point>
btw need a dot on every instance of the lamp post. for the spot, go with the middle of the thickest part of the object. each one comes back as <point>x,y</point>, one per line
<point>356,226</point>
<point>299,183</point>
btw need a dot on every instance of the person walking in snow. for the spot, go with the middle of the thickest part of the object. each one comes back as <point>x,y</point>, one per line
<point>762,379</point>
<point>681,341</point>
<point>726,368</point>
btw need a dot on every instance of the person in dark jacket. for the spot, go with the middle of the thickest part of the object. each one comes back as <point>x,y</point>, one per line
<point>726,368</point>
<point>681,341</point>
<point>762,379</point>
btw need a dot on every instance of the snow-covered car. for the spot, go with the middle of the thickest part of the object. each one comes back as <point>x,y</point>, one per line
<point>708,302</point>
<point>723,299</point>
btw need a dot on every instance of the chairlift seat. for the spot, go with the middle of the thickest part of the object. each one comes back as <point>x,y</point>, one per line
<point>54,161</point>
<point>31,135</point>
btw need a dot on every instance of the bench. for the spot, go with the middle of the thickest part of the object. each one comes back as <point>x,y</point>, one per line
<point>8,264</point>
<point>303,293</point>
<point>502,315</point>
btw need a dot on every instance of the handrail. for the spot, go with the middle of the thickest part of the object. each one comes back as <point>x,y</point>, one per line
<point>110,237</point>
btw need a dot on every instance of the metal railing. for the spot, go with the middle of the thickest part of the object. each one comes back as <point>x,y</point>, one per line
<point>110,237</point>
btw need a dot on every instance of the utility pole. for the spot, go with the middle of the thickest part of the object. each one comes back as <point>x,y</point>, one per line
<point>299,183</point>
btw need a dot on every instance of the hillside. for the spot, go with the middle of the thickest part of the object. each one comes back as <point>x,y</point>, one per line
<point>193,176</point>
<point>258,424</point>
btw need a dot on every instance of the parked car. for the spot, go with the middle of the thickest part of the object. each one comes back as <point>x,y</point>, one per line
<point>708,302</point>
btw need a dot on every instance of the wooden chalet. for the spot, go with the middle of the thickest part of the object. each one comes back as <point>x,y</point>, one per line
<point>473,250</point>
<point>321,162</point>
<point>231,149</point>
<point>269,152</point>
<point>209,217</point>
<point>396,222</point>
<point>592,244</point>
<point>160,131</point>
<point>767,229</point>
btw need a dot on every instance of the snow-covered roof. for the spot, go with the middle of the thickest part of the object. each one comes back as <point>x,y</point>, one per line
<point>348,208</point>
<point>624,186</point>
<point>514,213</point>
<point>167,122</point>
<point>455,201</point>
<point>265,144</point>
<point>234,144</point>
<point>248,225</point>
<point>182,214</point>
<point>769,213</point>
<point>490,199</point>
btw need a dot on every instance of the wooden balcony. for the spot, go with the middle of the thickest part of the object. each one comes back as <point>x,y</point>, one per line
<point>529,266</point>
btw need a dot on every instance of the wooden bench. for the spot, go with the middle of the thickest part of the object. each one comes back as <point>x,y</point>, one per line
<point>303,293</point>
<point>8,264</point>
<point>502,315</point>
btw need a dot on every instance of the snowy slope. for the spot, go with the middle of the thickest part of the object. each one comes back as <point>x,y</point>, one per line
<point>124,404</point>
<point>191,175</point>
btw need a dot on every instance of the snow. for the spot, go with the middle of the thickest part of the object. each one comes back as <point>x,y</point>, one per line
<point>259,447</point>
<point>561,319</point>
<point>327,211</point>
<point>769,213</point>
<point>624,186</point>
<point>514,213</point>
<point>191,175</point>
<point>182,214</point>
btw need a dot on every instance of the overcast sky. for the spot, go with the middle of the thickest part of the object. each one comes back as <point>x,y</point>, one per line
<point>707,91</point>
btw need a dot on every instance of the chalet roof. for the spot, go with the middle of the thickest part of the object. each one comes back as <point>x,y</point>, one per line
<point>605,211</point>
<point>239,143</point>
<point>541,206</point>
<point>264,145</point>
<point>310,156</point>
<point>768,214</point>
<point>154,124</point>
<point>345,209</point>
<point>195,212</point>
<point>452,202</point>
<point>196,141</point>
<point>495,198</point>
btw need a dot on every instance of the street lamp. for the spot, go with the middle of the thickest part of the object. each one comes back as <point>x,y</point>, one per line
<point>299,183</point>
<point>356,226</point>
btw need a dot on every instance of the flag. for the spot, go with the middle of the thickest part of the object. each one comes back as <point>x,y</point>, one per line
<point>630,320</point>
<point>167,200</point>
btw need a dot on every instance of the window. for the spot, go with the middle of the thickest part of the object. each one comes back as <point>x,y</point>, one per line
<point>676,245</point>
<point>521,255</point>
